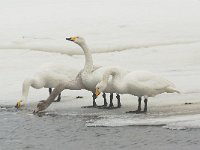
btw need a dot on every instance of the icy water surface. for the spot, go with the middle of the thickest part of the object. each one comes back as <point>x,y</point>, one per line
<point>68,130</point>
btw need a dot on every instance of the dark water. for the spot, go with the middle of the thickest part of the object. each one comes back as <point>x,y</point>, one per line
<point>22,130</point>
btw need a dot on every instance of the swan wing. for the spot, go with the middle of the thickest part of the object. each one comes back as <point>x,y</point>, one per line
<point>150,81</point>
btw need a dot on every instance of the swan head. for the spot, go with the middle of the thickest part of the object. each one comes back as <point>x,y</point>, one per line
<point>76,39</point>
<point>18,104</point>
<point>100,87</point>
<point>42,105</point>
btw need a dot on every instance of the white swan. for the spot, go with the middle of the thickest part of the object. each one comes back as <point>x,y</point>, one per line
<point>77,83</point>
<point>138,83</point>
<point>48,76</point>
<point>91,77</point>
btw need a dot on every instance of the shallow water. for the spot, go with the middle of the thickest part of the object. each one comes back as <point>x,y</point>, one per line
<point>68,130</point>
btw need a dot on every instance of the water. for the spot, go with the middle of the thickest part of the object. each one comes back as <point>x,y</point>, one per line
<point>21,130</point>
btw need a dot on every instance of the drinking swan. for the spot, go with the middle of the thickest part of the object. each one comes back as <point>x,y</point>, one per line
<point>138,83</point>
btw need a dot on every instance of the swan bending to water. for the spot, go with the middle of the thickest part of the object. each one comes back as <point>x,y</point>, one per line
<point>138,83</point>
<point>75,84</point>
<point>49,76</point>
<point>80,82</point>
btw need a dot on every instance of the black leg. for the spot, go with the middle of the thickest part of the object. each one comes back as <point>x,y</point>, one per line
<point>111,101</point>
<point>145,105</point>
<point>94,98</point>
<point>111,106</point>
<point>94,102</point>
<point>118,101</point>
<point>105,102</point>
<point>139,107</point>
<point>139,104</point>
<point>50,90</point>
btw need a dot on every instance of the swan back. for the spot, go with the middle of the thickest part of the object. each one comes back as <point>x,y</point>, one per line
<point>142,83</point>
<point>138,83</point>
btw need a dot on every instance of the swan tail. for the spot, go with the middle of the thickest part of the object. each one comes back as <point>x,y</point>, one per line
<point>171,87</point>
<point>172,90</point>
<point>177,91</point>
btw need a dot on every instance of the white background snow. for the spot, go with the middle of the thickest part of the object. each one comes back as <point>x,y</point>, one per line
<point>162,36</point>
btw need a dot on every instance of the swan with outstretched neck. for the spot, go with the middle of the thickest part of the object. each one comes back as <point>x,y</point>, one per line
<point>86,79</point>
<point>91,77</point>
<point>139,83</point>
<point>75,84</point>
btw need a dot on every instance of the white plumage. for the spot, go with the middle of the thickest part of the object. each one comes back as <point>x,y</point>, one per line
<point>138,83</point>
<point>48,76</point>
<point>90,76</point>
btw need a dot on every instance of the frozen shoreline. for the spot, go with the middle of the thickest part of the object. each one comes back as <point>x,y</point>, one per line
<point>58,132</point>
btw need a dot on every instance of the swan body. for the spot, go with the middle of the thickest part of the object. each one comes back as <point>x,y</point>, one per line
<point>138,83</point>
<point>48,76</point>
<point>143,83</point>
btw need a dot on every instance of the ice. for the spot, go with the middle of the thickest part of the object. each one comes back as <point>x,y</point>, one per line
<point>182,125</point>
<point>107,25</point>
<point>172,122</point>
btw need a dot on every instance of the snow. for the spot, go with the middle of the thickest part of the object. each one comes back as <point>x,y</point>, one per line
<point>108,25</point>
<point>154,35</point>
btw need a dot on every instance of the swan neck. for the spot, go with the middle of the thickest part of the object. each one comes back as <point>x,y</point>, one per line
<point>117,80</point>
<point>25,89</point>
<point>113,72</point>
<point>72,85</point>
<point>88,58</point>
